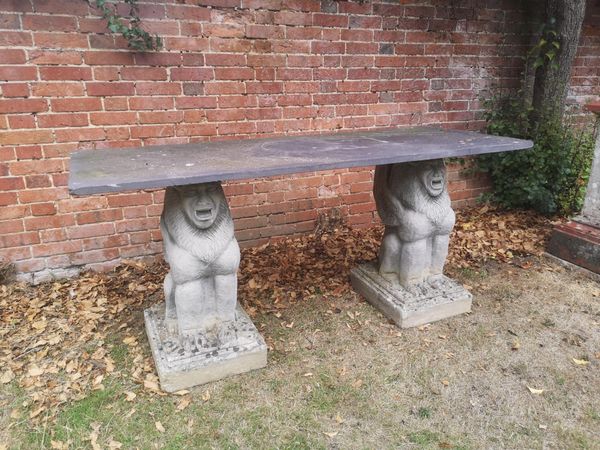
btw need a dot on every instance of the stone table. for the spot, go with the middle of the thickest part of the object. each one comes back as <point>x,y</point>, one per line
<point>201,333</point>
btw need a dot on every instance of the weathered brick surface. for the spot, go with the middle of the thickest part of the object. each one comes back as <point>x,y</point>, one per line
<point>234,69</point>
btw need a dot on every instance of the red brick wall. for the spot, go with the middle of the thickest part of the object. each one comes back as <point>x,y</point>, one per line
<point>585,76</point>
<point>233,69</point>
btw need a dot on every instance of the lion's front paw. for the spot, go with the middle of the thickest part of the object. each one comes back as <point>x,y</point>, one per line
<point>392,278</point>
<point>191,340</point>
<point>171,325</point>
<point>436,281</point>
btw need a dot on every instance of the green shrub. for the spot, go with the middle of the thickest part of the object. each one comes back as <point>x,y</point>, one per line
<point>549,178</point>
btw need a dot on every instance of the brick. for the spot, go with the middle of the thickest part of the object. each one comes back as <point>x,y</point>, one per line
<point>60,40</point>
<point>29,152</point>
<point>101,58</point>
<point>9,22</point>
<point>76,104</point>
<point>193,88</point>
<point>80,135</point>
<point>142,103</point>
<point>94,256</point>
<point>11,183</point>
<point>264,32</point>
<point>57,89</point>
<point>119,240</point>
<point>43,209</point>
<point>8,198</point>
<point>292,18</point>
<point>184,12</point>
<point>61,7</point>
<point>157,88</point>
<point>107,42</point>
<point>25,137</point>
<point>145,11</point>
<point>191,74</point>
<point>119,137</point>
<point>134,212</point>
<point>19,240</point>
<point>321,47</point>
<point>137,224</point>
<point>12,56</point>
<point>62,120</point>
<point>196,129</point>
<point>36,166</point>
<point>56,248</point>
<point>115,201</point>
<point>49,23</point>
<point>266,60</point>
<point>91,230</point>
<point>21,121</point>
<point>225,87</point>
<point>15,90</point>
<point>330,20</point>
<point>195,102</point>
<point>37,181</point>
<point>106,73</point>
<point>158,59</point>
<point>225,59</point>
<point>161,117</point>
<point>28,105</point>
<point>103,89</point>
<point>65,73</point>
<point>45,222</point>
<point>240,73</point>
<point>218,115</point>
<point>113,118</point>
<point>152,131</point>
<point>196,44</point>
<point>143,73</point>
<point>16,39</point>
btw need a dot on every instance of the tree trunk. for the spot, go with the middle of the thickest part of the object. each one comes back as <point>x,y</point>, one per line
<point>552,79</point>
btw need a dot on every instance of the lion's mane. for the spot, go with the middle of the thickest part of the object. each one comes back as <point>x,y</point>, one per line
<point>206,245</point>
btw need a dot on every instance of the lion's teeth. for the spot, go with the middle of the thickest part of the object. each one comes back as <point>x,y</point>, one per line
<point>203,213</point>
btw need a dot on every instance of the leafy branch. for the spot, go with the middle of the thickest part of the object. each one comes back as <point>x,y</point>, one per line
<point>545,50</point>
<point>129,27</point>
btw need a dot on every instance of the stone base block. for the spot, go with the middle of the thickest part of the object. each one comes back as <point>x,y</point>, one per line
<point>578,243</point>
<point>235,348</point>
<point>422,304</point>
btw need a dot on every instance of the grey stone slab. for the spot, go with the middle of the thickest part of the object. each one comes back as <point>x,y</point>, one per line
<point>235,349</point>
<point>114,170</point>
<point>410,308</point>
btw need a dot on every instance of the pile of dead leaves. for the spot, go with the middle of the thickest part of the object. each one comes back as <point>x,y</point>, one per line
<point>485,233</point>
<point>56,339</point>
<point>319,264</point>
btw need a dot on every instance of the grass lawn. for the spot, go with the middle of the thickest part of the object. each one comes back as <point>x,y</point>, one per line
<point>520,371</point>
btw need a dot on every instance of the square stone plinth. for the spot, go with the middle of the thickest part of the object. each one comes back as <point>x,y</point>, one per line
<point>237,348</point>
<point>577,242</point>
<point>423,304</point>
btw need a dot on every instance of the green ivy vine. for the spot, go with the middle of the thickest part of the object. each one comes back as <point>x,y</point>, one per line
<point>129,27</point>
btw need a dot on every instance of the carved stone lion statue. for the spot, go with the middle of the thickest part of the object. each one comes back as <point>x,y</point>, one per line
<point>413,203</point>
<point>199,245</point>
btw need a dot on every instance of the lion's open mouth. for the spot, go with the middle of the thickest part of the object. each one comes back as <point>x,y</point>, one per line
<point>203,213</point>
<point>437,183</point>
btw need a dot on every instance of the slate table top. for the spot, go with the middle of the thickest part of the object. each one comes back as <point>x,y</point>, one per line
<point>116,170</point>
